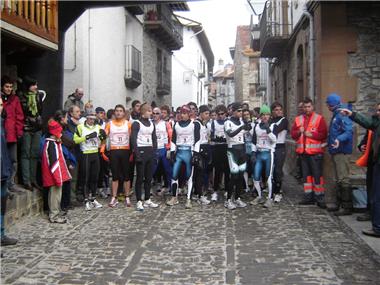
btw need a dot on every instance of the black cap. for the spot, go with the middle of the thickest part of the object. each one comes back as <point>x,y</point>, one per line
<point>203,108</point>
<point>99,109</point>
<point>236,106</point>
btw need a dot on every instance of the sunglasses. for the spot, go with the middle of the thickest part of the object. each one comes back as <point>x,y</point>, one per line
<point>156,113</point>
<point>240,110</point>
<point>220,114</point>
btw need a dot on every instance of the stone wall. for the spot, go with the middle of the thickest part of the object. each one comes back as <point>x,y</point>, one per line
<point>365,63</point>
<point>150,71</point>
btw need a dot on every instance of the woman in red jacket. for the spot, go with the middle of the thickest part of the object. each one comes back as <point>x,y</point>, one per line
<point>14,124</point>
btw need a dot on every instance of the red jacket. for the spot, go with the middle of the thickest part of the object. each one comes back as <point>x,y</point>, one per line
<point>14,122</point>
<point>53,165</point>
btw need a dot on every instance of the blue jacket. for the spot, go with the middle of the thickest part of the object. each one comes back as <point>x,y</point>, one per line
<point>340,129</point>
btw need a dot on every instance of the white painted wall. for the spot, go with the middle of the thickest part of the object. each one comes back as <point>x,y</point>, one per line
<point>95,55</point>
<point>186,86</point>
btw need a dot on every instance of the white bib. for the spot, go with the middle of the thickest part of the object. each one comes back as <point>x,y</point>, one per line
<point>162,134</point>
<point>144,136</point>
<point>119,135</point>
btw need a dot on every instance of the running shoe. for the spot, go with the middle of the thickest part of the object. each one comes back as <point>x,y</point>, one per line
<point>150,204</point>
<point>258,200</point>
<point>230,205</point>
<point>88,206</point>
<point>277,198</point>
<point>139,206</point>
<point>113,202</point>
<point>96,204</point>
<point>204,201</point>
<point>268,204</point>
<point>127,202</point>
<point>214,197</point>
<point>173,201</point>
<point>240,204</point>
<point>188,204</point>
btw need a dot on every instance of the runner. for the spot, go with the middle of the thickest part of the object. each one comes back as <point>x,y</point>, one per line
<point>144,144</point>
<point>235,129</point>
<point>186,135</point>
<point>118,131</point>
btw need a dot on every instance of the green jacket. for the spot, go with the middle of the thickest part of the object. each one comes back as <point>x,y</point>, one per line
<point>373,124</point>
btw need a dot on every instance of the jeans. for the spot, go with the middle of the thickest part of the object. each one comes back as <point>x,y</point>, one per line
<point>55,195</point>
<point>12,152</point>
<point>30,152</point>
<point>4,196</point>
<point>375,201</point>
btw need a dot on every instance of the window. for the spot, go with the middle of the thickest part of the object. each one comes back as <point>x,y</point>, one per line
<point>132,66</point>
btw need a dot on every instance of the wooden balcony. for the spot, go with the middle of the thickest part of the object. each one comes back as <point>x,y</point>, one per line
<point>161,23</point>
<point>39,17</point>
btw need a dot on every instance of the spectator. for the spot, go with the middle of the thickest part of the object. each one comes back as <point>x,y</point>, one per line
<point>13,124</point>
<point>371,123</point>
<point>32,103</point>
<point>6,171</point>
<point>54,170</point>
<point>340,148</point>
<point>100,117</point>
<point>75,99</point>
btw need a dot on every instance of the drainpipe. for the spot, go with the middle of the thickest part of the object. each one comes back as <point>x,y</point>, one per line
<point>311,52</point>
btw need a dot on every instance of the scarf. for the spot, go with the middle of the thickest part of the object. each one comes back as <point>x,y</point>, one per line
<point>32,103</point>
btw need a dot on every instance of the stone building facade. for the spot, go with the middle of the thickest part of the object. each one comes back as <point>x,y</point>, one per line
<point>246,62</point>
<point>346,61</point>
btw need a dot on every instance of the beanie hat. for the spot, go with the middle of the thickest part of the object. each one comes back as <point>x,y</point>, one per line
<point>99,109</point>
<point>55,128</point>
<point>203,108</point>
<point>235,106</point>
<point>333,100</point>
<point>185,109</point>
<point>90,114</point>
<point>264,110</point>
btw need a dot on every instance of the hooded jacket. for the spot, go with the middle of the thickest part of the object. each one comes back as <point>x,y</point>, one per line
<point>340,129</point>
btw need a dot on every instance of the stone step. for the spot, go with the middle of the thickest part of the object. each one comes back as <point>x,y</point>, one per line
<point>23,204</point>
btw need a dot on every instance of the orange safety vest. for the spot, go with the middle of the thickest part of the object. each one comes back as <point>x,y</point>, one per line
<point>305,144</point>
<point>363,160</point>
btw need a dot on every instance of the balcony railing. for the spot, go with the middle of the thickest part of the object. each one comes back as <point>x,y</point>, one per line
<point>275,29</point>
<point>160,21</point>
<point>163,83</point>
<point>39,17</point>
<point>132,67</point>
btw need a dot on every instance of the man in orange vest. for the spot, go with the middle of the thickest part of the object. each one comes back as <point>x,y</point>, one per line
<point>310,132</point>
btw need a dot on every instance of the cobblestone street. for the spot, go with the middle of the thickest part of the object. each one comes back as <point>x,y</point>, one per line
<point>204,245</point>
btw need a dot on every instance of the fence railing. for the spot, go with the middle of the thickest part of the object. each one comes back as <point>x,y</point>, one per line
<point>39,17</point>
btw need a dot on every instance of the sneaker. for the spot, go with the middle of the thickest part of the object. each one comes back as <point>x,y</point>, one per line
<point>363,218</point>
<point>96,204</point>
<point>188,204</point>
<point>139,206</point>
<point>8,241</point>
<point>214,197</point>
<point>103,193</point>
<point>127,202</point>
<point>229,205</point>
<point>173,201</point>
<point>113,202</point>
<point>150,204</point>
<point>268,204</point>
<point>240,204</point>
<point>204,201</point>
<point>257,200</point>
<point>277,198</point>
<point>59,220</point>
<point>88,206</point>
<point>343,212</point>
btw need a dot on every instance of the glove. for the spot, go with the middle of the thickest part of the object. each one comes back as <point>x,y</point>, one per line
<point>253,157</point>
<point>92,135</point>
<point>265,126</point>
<point>102,135</point>
<point>247,126</point>
<point>105,158</point>
<point>172,156</point>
